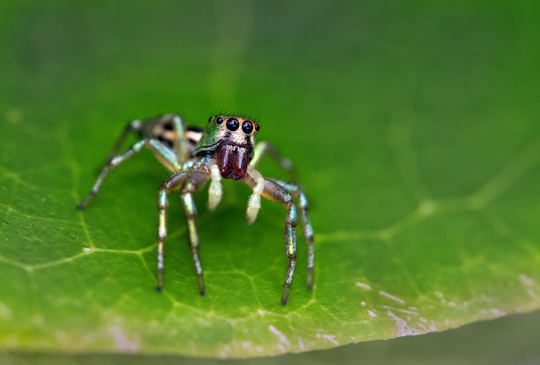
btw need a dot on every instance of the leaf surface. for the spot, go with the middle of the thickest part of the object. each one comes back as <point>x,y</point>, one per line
<point>414,130</point>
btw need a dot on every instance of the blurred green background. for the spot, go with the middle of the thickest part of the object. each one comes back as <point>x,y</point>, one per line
<point>384,106</point>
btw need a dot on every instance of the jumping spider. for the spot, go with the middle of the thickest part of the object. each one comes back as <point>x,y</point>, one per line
<point>224,149</point>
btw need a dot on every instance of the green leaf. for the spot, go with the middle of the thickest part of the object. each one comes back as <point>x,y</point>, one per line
<point>414,129</point>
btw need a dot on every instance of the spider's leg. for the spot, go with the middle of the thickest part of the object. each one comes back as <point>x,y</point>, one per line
<point>271,190</point>
<point>135,126</point>
<point>187,181</point>
<point>174,182</point>
<point>163,153</point>
<point>190,211</point>
<point>164,135</point>
<point>112,163</point>
<point>297,192</point>
<point>265,148</point>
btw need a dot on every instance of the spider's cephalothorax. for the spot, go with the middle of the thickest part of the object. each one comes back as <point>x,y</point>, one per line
<point>224,149</point>
<point>230,140</point>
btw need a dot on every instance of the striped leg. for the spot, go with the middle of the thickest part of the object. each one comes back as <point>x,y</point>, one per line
<point>274,191</point>
<point>175,182</point>
<point>157,147</point>
<point>131,127</point>
<point>114,160</point>
<point>190,211</point>
<point>163,135</point>
<point>264,148</point>
<point>112,163</point>
<point>290,243</point>
<point>297,192</point>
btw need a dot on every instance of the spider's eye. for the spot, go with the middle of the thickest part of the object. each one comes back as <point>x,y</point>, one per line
<point>232,124</point>
<point>257,127</point>
<point>247,127</point>
<point>219,120</point>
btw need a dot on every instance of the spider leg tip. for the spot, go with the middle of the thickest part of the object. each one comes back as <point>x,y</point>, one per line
<point>159,289</point>
<point>283,301</point>
<point>202,293</point>
<point>310,286</point>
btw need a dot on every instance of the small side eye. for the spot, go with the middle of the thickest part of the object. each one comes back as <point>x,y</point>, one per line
<point>219,120</point>
<point>232,124</point>
<point>257,127</point>
<point>247,127</point>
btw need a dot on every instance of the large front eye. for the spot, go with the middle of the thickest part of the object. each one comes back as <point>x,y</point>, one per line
<point>232,124</point>
<point>247,127</point>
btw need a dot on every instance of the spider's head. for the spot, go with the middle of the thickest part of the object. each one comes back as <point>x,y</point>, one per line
<point>230,140</point>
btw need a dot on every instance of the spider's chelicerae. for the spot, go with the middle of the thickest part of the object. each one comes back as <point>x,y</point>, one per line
<point>224,149</point>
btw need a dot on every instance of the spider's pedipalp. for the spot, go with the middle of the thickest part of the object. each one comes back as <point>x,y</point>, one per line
<point>254,202</point>
<point>214,190</point>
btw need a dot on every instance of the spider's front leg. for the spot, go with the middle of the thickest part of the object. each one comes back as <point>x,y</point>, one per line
<point>174,182</point>
<point>262,149</point>
<point>190,211</point>
<point>187,182</point>
<point>272,190</point>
